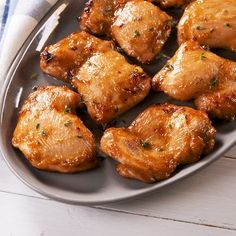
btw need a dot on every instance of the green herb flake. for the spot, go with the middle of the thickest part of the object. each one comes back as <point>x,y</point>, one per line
<point>82,102</point>
<point>170,126</point>
<point>145,144</point>
<point>213,82</point>
<point>200,28</point>
<point>136,33</point>
<point>169,67</point>
<point>159,149</point>
<point>44,133</point>
<point>34,76</point>
<point>228,25</point>
<point>120,50</point>
<point>67,109</point>
<point>203,56</point>
<point>68,123</point>
<point>35,88</point>
<point>90,63</point>
<point>165,56</point>
<point>206,47</point>
<point>37,126</point>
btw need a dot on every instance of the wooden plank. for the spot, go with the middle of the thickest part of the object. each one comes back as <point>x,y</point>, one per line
<point>24,216</point>
<point>208,197</point>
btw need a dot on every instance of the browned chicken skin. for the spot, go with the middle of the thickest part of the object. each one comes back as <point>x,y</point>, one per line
<point>141,29</point>
<point>98,15</point>
<point>60,59</point>
<point>159,139</point>
<point>108,84</point>
<point>194,73</point>
<point>50,135</point>
<point>210,22</point>
<point>138,26</point>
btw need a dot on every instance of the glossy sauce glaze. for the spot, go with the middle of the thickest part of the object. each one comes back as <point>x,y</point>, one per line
<point>194,73</point>
<point>210,22</point>
<point>159,139</point>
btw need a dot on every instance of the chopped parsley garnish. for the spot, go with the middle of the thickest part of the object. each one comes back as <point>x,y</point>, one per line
<point>206,47</point>
<point>68,123</point>
<point>35,88</point>
<point>213,82</point>
<point>159,149</point>
<point>169,67</point>
<point>203,56</point>
<point>145,144</point>
<point>37,126</point>
<point>120,50</point>
<point>67,109</point>
<point>136,33</point>
<point>200,27</point>
<point>34,76</point>
<point>228,25</point>
<point>44,133</point>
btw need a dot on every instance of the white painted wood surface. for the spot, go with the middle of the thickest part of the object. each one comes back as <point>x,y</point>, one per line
<point>203,204</point>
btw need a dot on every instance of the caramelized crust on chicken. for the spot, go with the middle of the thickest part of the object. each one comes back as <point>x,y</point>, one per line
<point>98,15</point>
<point>194,73</point>
<point>108,84</point>
<point>172,3</point>
<point>141,29</point>
<point>60,59</point>
<point>51,136</point>
<point>138,26</point>
<point>160,139</point>
<point>210,22</point>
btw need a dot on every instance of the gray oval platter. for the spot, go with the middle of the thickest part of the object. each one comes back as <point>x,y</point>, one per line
<point>103,184</point>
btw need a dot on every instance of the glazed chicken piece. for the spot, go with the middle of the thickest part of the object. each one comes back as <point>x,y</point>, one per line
<point>158,141</point>
<point>60,59</point>
<point>141,29</point>
<point>98,15</point>
<point>51,136</point>
<point>210,22</point>
<point>138,26</point>
<point>172,3</point>
<point>109,85</point>
<point>194,73</point>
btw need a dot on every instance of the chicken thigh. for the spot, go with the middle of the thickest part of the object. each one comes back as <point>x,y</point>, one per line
<point>138,26</point>
<point>108,84</point>
<point>210,22</point>
<point>51,136</point>
<point>194,73</point>
<point>141,29</point>
<point>60,59</point>
<point>159,139</point>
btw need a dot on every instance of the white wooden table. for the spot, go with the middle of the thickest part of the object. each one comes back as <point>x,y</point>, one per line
<point>203,204</point>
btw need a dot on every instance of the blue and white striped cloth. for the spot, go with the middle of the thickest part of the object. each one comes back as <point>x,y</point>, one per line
<point>17,20</point>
